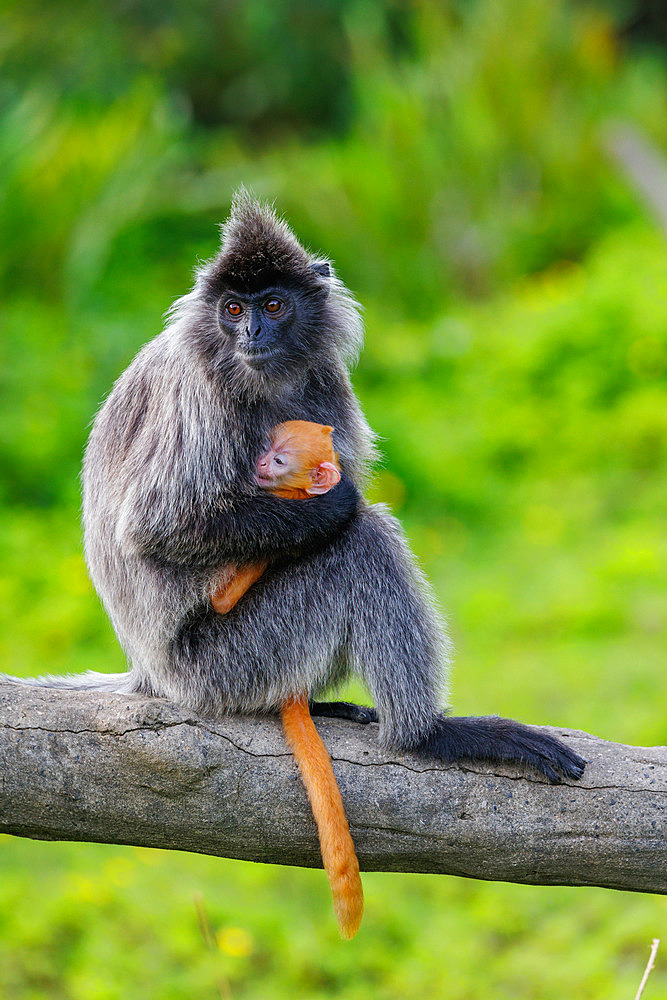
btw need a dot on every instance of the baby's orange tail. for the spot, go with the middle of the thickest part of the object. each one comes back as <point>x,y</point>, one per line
<point>338,854</point>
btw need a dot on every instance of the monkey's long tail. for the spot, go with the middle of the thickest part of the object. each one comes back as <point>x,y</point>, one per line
<point>338,854</point>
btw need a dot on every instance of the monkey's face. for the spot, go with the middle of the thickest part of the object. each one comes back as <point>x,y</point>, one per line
<point>274,333</point>
<point>286,465</point>
<point>300,455</point>
<point>262,328</point>
<point>277,465</point>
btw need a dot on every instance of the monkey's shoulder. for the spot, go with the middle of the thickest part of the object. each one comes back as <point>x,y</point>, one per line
<point>163,416</point>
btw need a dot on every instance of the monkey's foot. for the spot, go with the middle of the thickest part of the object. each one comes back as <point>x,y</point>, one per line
<point>344,710</point>
<point>501,740</point>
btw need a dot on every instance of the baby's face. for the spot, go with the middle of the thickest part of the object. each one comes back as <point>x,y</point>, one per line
<point>278,461</point>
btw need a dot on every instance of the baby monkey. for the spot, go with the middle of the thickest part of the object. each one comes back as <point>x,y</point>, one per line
<point>301,463</point>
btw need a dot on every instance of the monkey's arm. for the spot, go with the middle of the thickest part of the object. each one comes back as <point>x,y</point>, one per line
<point>241,529</point>
<point>234,587</point>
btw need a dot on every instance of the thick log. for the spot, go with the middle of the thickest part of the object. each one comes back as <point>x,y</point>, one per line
<point>132,770</point>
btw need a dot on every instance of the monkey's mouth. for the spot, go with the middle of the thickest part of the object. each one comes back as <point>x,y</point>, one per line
<point>264,480</point>
<point>257,359</point>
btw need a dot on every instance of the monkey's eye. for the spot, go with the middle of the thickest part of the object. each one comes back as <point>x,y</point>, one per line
<point>273,306</point>
<point>279,460</point>
<point>234,309</point>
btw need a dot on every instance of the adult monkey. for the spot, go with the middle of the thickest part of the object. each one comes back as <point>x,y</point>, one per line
<point>265,336</point>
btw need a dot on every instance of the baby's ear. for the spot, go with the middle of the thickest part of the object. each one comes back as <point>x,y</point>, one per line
<point>324,477</point>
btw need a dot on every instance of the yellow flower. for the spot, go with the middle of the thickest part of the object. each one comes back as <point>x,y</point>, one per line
<point>234,941</point>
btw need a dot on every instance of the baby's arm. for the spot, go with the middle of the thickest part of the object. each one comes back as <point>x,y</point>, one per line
<point>234,586</point>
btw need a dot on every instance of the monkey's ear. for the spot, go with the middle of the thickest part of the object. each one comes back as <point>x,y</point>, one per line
<point>325,476</point>
<point>326,429</point>
<point>322,267</point>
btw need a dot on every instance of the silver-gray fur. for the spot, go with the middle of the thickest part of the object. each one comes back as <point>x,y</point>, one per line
<point>169,499</point>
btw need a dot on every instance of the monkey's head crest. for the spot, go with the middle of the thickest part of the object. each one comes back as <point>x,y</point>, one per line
<point>259,250</point>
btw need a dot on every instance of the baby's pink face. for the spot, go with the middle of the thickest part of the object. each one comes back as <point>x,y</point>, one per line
<point>274,465</point>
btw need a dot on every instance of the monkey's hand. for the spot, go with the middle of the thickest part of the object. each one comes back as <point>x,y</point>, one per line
<point>238,529</point>
<point>501,740</point>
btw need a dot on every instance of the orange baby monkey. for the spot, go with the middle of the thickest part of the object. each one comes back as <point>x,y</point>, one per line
<point>301,463</point>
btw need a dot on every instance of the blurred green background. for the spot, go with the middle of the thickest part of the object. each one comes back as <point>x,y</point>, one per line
<point>453,159</point>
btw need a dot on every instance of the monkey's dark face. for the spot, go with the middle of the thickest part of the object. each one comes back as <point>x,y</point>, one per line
<point>274,332</point>
<point>261,326</point>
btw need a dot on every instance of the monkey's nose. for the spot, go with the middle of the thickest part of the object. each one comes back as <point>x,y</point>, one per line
<point>254,327</point>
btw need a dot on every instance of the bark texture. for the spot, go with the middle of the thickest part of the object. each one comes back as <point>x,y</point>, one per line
<point>131,770</point>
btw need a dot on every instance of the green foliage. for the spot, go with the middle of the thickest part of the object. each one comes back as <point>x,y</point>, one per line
<point>264,68</point>
<point>516,371</point>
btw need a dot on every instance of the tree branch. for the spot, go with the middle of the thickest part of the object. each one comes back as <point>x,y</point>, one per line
<point>132,770</point>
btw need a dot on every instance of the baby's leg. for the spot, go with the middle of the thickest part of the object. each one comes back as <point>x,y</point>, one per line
<point>234,585</point>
